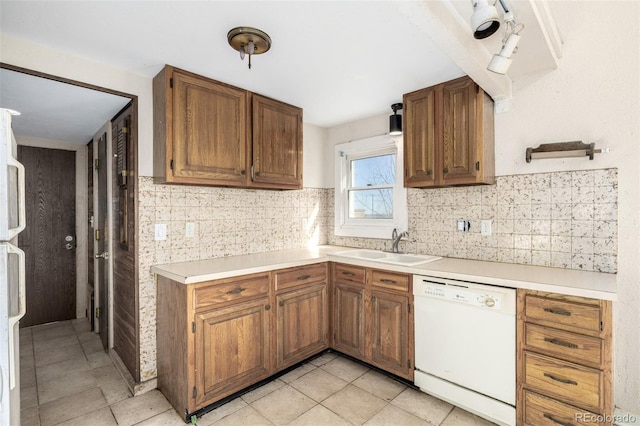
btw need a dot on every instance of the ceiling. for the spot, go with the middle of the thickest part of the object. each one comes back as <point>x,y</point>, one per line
<point>339,60</point>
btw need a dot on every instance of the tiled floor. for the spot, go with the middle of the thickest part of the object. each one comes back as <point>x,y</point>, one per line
<point>67,379</point>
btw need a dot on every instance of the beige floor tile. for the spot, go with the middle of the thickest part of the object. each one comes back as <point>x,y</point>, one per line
<point>392,415</point>
<point>345,369</point>
<point>81,325</point>
<point>106,373</point>
<point>115,391</point>
<point>30,417</point>
<point>318,416</point>
<point>52,329</point>
<point>168,418</point>
<point>66,385</point>
<point>87,336</point>
<point>58,354</point>
<point>45,345</point>
<point>318,384</point>
<point>71,407</point>
<point>26,333</point>
<point>50,372</point>
<point>27,361</point>
<point>422,405</point>
<point>99,359</point>
<point>459,417</point>
<point>27,377</point>
<point>245,416</point>
<point>221,412</point>
<point>28,397</point>
<point>92,346</point>
<point>142,407</point>
<point>263,390</point>
<point>284,405</point>
<point>26,342</point>
<point>101,417</point>
<point>354,404</point>
<point>323,359</point>
<point>380,385</point>
<point>297,373</point>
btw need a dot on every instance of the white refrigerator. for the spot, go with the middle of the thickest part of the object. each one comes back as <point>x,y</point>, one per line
<point>12,273</point>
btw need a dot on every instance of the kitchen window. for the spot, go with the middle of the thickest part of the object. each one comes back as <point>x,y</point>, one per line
<point>370,199</point>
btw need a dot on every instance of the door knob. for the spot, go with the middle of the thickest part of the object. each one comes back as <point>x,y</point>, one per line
<point>68,246</point>
<point>104,255</point>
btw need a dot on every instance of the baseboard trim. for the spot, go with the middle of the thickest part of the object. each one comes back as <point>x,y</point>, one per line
<point>134,387</point>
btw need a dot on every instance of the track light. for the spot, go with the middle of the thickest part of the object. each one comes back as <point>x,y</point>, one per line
<point>484,21</point>
<point>395,121</point>
<point>501,62</point>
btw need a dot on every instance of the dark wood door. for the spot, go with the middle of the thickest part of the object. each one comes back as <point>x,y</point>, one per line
<point>102,283</point>
<point>49,240</point>
<point>277,144</point>
<point>421,133</point>
<point>348,320</point>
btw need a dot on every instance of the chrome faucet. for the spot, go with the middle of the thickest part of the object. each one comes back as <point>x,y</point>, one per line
<point>395,238</point>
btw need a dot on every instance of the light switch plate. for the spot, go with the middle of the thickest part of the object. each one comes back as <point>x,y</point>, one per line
<point>485,227</point>
<point>161,231</point>
<point>190,230</point>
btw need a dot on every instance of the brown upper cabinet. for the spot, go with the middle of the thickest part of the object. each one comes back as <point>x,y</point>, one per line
<point>211,133</point>
<point>448,135</point>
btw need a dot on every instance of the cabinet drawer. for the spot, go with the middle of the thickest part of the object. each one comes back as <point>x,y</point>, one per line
<point>542,411</point>
<point>231,290</point>
<point>298,276</point>
<point>349,273</point>
<point>571,383</point>
<point>569,346</point>
<point>563,313</point>
<point>390,280</point>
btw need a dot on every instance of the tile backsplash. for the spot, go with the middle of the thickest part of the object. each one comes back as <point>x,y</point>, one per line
<point>561,219</point>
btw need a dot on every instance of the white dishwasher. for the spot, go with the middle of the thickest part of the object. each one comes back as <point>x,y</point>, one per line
<point>465,345</point>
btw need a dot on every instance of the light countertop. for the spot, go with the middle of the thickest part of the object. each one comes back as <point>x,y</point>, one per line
<point>564,281</point>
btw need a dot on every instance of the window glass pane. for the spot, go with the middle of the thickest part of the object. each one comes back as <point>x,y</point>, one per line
<point>371,204</point>
<point>380,170</point>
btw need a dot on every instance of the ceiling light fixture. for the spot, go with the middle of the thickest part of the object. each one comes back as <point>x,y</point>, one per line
<point>249,41</point>
<point>395,120</point>
<point>485,22</point>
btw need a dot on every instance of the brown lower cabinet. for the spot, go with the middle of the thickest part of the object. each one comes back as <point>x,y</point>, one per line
<point>564,360</point>
<point>372,317</point>
<point>218,337</point>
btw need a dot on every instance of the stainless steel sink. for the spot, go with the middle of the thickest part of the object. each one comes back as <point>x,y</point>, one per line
<point>386,257</point>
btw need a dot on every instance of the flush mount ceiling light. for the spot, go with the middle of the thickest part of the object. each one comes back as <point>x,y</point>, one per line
<point>395,121</point>
<point>249,41</point>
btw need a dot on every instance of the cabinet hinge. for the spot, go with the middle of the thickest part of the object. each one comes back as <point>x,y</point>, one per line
<point>97,236</point>
<point>409,308</point>
<point>601,326</point>
<point>171,83</point>
<point>193,327</point>
<point>477,165</point>
<point>96,164</point>
<point>408,363</point>
<point>252,173</point>
<point>171,164</point>
<point>194,392</point>
<point>477,89</point>
<point>98,313</point>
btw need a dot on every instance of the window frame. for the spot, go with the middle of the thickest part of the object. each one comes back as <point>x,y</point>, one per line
<point>365,148</point>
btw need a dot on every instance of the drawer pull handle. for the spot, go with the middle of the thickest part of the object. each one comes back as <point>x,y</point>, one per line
<point>387,281</point>
<point>303,277</point>
<point>561,343</point>
<point>349,274</point>
<point>236,290</point>
<point>561,380</point>
<point>359,295</point>
<point>558,312</point>
<point>550,417</point>
<point>267,307</point>
<point>281,303</point>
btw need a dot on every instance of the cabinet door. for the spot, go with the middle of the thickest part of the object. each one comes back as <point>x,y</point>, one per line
<point>390,333</point>
<point>209,131</point>
<point>461,133</point>
<point>420,135</point>
<point>303,324</point>
<point>232,348</point>
<point>277,144</point>
<point>348,319</point>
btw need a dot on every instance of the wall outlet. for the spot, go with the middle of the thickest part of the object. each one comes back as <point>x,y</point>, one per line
<point>464,225</point>
<point>190,230</point>
<point>161,231</point>
<point>485,227</point>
